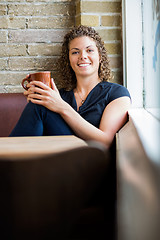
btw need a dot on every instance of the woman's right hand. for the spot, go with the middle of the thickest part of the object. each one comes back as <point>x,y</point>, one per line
<point>40,93</point>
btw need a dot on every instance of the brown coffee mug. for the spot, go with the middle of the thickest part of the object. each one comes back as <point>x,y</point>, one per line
<point>44,77</point>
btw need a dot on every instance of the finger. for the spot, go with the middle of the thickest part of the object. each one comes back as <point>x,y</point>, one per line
<point>35,96</point>
<point>25,93</point>
<point>35,100</point>
<point>33,90</point>
<point>29,85</point>
<point>39,84</point>
<point>53,85</point>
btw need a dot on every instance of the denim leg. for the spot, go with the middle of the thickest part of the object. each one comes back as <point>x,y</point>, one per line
<point>54,124</point>
<point>37,120</point>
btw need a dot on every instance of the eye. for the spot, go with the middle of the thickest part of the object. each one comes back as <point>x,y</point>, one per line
<point>90,50</point>
<point>75,52</point>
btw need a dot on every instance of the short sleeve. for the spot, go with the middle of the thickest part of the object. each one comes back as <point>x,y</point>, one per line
<point>118,91</point>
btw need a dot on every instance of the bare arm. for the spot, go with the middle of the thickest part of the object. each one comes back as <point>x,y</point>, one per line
<point>113,118</point>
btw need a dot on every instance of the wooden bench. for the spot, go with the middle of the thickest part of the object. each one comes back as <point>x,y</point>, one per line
<point>138,188</point>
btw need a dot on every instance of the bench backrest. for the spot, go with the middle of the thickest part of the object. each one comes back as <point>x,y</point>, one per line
<point>11,107</point>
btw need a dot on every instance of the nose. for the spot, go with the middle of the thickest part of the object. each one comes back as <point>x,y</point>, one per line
<point>83,55</point>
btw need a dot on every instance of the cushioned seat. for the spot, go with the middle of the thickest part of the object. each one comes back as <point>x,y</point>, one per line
<point>11,107</point>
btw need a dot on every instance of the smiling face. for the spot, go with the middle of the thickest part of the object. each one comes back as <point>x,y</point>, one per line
<point>84,56</point>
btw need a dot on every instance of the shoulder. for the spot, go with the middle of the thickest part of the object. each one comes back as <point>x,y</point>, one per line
<point>115,90</point>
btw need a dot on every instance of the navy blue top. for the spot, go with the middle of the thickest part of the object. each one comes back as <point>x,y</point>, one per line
<point>98,98</point>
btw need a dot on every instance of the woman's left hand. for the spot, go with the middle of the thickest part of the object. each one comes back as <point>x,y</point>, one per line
<point>41,94</point>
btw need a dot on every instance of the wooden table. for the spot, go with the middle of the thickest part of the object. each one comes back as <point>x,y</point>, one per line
<point>18,147</point>
<point>43,197</point>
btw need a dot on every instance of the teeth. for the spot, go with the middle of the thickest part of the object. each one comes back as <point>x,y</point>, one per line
<point>84,64</point>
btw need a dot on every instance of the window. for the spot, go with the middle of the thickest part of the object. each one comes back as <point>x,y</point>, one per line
<point>151,55</point>
<point>141,58</point>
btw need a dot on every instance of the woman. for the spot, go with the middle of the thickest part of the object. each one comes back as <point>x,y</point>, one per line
<point>87,105</point>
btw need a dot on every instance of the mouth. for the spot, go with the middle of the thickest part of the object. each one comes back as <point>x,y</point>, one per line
<point>84,64</point>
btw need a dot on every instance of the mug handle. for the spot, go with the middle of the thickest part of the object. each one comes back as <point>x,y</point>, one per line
<point>25,81</point>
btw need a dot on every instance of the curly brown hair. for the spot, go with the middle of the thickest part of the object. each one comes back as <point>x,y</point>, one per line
<point>68,77</point>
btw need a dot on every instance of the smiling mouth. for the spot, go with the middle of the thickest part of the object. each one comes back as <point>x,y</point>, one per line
<point>84,64</point>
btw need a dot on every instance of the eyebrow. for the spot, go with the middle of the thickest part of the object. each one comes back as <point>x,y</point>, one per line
<point>78,48</point>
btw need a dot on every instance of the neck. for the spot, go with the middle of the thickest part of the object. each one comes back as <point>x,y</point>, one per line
<point>85,85</point>
<point>82,90</point>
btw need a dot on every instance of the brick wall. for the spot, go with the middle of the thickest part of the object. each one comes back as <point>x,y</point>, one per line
<point>105,16</point>
<point>31,32</point>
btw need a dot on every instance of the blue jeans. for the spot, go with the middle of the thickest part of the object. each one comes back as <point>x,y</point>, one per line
<point>37,120</point>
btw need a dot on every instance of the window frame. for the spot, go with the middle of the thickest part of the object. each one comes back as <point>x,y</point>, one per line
<point>147,126</point>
